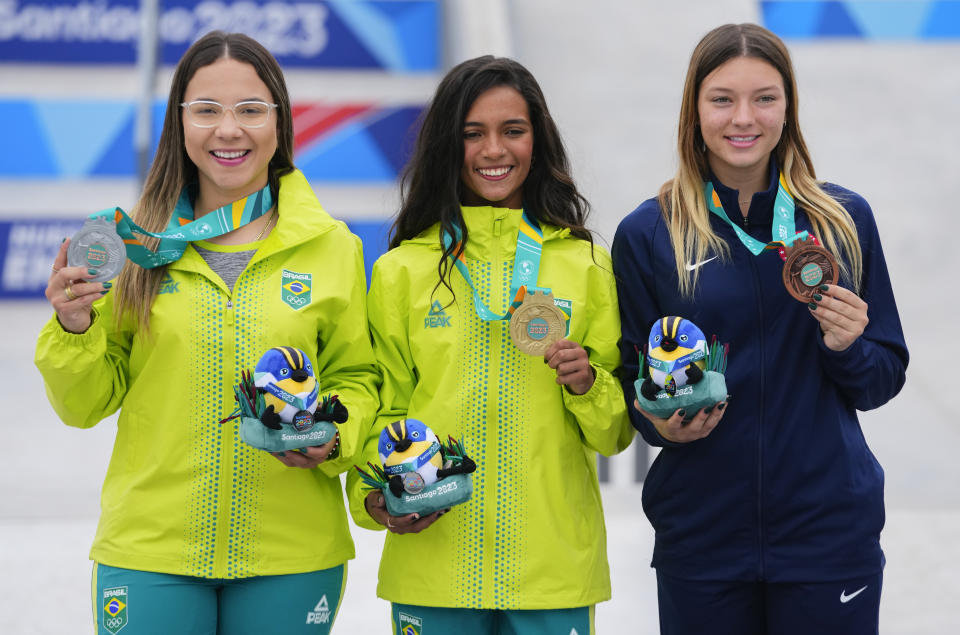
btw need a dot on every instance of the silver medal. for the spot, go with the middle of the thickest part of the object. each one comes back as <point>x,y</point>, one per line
<point>413,483</point>
<point>97,246</point>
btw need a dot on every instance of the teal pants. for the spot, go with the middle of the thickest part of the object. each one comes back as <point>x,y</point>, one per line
<point>129,602</point>
<point>426,620</point>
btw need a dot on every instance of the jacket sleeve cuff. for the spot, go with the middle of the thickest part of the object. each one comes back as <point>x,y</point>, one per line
<point>845,361</point>
<point>664,441</point>
<point>356,495</point>
<point>589,397</point>
<point>601,414</point>
<point>89,344</point>
<point>343,456</point>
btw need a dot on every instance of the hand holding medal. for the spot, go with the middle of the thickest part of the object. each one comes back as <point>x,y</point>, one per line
<point>842,315</point>
<point>806,264</point>
<point>810,272</point>
<point>72,290</point>
<point>99,250</point>
<point>572,364</point>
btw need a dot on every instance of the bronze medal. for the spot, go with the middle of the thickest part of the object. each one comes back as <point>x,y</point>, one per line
<point>807,266</point>
<point>537,323</point>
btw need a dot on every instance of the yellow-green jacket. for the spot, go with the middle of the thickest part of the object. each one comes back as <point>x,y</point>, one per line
<point>183,494</point>
<point>533,535</point>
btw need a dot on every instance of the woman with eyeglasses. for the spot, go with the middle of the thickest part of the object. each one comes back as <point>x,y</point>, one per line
<point>199,532</point>
<point>768,505</point>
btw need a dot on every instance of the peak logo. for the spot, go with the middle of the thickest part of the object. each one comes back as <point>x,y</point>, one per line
<point>436,318</point>
<point>320,613</point>
<point>167,285</point>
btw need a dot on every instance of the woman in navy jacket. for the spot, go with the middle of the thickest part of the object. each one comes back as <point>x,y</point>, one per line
<point>768,509</point>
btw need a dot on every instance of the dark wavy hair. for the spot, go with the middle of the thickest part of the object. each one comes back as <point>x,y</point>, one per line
<point>431,185</point>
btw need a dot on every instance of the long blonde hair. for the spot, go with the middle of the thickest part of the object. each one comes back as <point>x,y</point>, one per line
<point>681,198</point>
<point>172,169</point>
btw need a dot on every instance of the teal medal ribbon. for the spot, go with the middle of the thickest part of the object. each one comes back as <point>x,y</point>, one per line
<point>414,464</point>
<point>526,267</point>
<point>182,229</point>
<point>784,231</point>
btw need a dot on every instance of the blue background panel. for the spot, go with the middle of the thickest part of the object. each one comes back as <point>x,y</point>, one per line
<point>21,128</point>
<point>943,21</point>
<point>390,35</point>
<point>863,19</point>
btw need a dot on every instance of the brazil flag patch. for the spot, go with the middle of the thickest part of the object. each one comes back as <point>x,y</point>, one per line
<point>295,289</point>
<point>115,608</point>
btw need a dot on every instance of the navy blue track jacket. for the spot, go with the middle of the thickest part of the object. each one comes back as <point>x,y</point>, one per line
<point>785,488</point>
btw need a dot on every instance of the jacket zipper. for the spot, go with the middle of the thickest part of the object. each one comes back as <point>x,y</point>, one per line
<point>761,564</point>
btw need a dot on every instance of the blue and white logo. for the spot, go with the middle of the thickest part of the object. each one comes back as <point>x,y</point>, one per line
<point>436,318</point>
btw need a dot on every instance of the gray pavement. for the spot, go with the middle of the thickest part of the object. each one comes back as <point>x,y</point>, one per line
<point>880,118</point>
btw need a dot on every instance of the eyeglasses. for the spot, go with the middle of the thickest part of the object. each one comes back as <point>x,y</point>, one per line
<point>207,114</point>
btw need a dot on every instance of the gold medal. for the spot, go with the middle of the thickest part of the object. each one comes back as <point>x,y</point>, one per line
<point>807,266</point>
<point>537,323</point>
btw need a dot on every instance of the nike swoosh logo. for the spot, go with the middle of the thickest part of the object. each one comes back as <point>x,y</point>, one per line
<point>844,598</point>
<point>691,267</point>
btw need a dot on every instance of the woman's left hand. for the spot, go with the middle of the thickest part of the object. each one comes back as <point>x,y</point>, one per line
<point>572,364</point>
<point>310,457</point>
<point>842,315</point>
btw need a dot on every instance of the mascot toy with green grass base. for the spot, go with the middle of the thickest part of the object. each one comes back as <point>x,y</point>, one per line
<point>419,474</point>
<point>680,371</point>
<point>279,404</point>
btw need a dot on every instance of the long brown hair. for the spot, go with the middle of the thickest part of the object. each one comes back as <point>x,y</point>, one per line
<point>172,169</point>
<point>431,186</point>
<point>681,198</point>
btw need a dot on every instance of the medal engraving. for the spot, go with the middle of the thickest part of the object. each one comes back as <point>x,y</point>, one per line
<point>806,267</point>
<point>537,323</point>
<point>97,246</point>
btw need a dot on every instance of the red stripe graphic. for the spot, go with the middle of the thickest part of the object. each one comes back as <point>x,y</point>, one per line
<point>313,120</point>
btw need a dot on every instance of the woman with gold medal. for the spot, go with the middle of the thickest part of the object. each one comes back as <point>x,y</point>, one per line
<point>494,321</point>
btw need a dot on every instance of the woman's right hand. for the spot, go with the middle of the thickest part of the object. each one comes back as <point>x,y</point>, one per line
<point>675,430</point>
<point>70,293</point>
<point>409,524</point>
